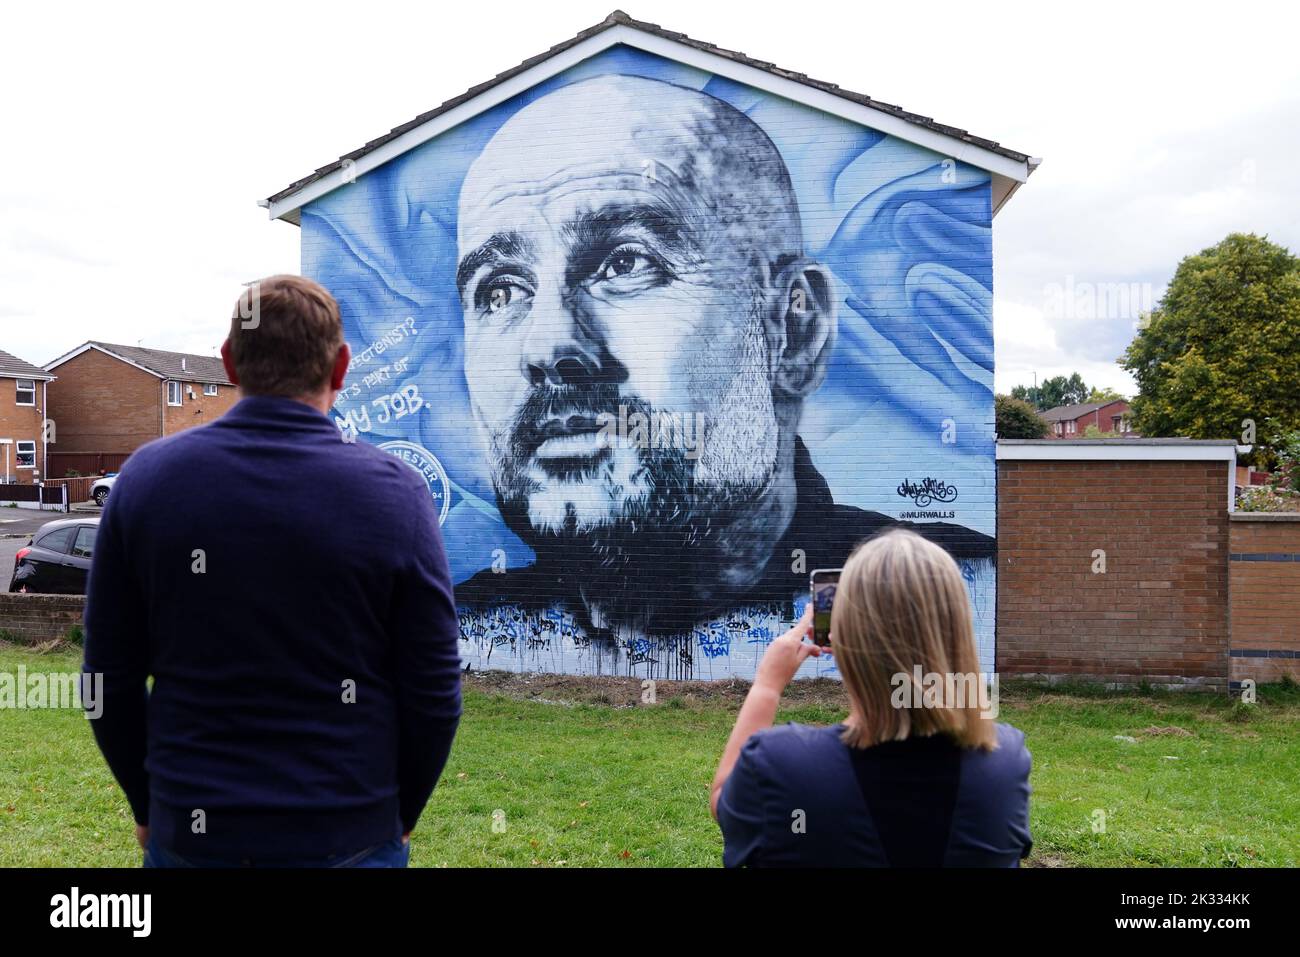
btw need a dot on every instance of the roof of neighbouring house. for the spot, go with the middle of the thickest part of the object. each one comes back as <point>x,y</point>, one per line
<point>11,367</point>
<point>1063,413</point>
<point>1009,166</point>
<point>184,366</point>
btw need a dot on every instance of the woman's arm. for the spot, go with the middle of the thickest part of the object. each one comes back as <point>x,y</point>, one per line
<point>780,662</point>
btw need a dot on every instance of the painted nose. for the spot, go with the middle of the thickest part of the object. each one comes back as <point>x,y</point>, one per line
<point>570,370</point>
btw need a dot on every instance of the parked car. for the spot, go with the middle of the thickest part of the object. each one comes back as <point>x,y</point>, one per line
<point>57,559</point>
<point>99,489</point>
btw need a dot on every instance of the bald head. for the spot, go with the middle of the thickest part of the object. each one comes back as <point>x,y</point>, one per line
<point>699,158</point>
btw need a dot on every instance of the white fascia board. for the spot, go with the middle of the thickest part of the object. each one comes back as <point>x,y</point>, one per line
<point>108,352</point>
<point>1001,167</point>
<point>23,375</point>
<point>1117,450</point>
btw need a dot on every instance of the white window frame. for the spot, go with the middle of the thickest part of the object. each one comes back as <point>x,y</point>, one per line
<point>18,451</point>
<point>179,392</point>
<point>209,388</point>
<point>19,390</point>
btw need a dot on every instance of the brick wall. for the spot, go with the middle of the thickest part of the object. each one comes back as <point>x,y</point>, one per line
<point>1159,611</point>
<point>101,404</point>
<point>29,619</point>
<point>22,423</point>
<point>198,410</point>
<point>1264,577</point>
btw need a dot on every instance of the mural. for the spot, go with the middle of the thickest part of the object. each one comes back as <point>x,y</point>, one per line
<point>660,345</point>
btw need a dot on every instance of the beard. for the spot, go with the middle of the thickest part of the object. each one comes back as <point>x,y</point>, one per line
<point>633,524</point>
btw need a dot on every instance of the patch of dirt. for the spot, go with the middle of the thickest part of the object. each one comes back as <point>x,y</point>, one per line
<point>623,692</point>
<point>1172,729</point>
<point>52,646</point>
<point>1047,860</point>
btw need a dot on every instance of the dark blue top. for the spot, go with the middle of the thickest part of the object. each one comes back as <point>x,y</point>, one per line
<point>260,569</point>
<point>799,797</point>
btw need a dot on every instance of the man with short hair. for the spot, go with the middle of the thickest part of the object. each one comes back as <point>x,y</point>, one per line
<point>288,592</point>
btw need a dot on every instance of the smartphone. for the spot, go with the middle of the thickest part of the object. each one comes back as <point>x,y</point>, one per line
<point>823,582</point>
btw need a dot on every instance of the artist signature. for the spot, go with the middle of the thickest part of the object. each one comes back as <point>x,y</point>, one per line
<point>927,491</point>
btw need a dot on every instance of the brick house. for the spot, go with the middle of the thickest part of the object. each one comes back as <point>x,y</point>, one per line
<point>108,400</point>
<point>22,410</point>
<point>1072,421</point>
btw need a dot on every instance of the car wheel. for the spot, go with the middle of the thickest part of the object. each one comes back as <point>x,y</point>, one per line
<point>101,495</point>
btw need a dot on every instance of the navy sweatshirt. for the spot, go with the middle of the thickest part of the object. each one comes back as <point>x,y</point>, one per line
<point>289,594</point>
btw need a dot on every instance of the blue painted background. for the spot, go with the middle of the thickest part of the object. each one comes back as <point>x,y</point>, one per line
<point>906,232</point>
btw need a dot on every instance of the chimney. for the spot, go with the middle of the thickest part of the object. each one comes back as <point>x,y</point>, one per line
<point>182,363</point>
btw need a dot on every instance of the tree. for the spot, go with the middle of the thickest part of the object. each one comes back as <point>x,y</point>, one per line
<point>1219,356</point>
<point>1058,390</point>
<point>1017,419</point>
<point>1103,395</point>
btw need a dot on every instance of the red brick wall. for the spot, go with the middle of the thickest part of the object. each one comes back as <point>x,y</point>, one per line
<point>199,410</point>
<point>30,619</point>
<point>101,404</point>
<point>20,423</point>
<point>1158,613</point>
<point>1264,576</point>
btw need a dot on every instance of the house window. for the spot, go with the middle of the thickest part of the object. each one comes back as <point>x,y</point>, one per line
<point>1069,428</point>
<point>26,391</point>
<point>173,393</point>
<point>26,453</point>
<point>209,389</point>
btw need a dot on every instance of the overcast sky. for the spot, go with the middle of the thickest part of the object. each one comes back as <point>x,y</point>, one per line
<point>135,141</point>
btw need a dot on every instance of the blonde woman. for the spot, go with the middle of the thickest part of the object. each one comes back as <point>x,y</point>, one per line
<point>919,774</point>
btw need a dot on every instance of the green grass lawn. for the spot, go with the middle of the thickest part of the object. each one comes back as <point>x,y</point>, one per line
<point>553,777</point>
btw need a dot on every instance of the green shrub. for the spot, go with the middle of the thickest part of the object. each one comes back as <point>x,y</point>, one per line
<point>1243,711</point>
<point>1267,498</point>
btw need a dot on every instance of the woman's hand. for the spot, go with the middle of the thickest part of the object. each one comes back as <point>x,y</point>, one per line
<point>784,655</point>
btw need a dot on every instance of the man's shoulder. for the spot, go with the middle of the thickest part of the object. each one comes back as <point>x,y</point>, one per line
<point>161,453</point>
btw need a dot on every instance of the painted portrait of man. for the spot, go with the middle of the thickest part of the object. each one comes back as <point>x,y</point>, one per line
<point>650,266</point>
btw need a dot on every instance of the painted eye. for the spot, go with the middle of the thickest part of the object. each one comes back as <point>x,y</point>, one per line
<point>501,294</point>
<point>628,262</point>
<point>623,263</point>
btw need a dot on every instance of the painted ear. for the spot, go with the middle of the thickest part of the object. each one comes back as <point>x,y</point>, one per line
<point>804,312</point>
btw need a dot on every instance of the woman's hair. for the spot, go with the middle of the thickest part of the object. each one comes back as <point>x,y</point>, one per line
<point>901,603</point>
